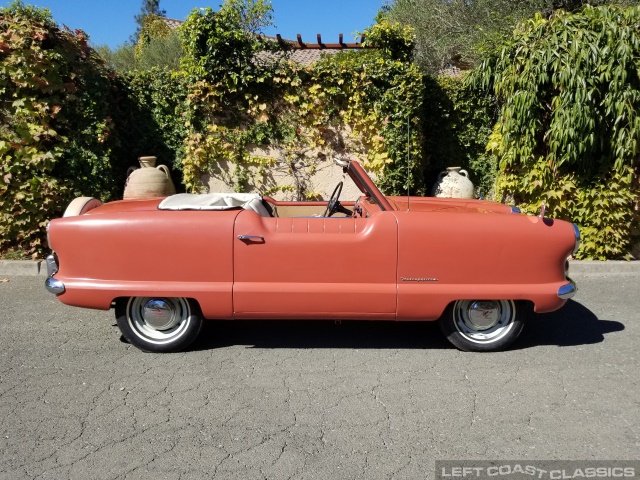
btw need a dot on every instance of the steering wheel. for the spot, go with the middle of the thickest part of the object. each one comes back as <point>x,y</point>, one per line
<point>334,206</point>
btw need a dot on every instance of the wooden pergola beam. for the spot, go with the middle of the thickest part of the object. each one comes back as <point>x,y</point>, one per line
<point>341,45</point>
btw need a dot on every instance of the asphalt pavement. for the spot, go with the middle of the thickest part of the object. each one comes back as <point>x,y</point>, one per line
<point>313,400</point>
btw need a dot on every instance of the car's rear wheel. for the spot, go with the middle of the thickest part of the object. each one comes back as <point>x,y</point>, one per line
<point>483,325</point>
<point>158,324</point>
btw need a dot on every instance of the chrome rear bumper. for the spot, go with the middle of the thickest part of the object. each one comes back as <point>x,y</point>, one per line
<point>567,291</point>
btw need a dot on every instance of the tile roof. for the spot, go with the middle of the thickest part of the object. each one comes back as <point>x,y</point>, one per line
<point>307,57</point>
<point>302,56</point>
<point>172,23</point>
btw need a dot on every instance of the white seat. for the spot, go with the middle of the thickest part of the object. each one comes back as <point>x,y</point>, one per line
<point>257,206</point>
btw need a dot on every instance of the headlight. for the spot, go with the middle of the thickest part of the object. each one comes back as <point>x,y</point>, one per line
<point>576,231</point>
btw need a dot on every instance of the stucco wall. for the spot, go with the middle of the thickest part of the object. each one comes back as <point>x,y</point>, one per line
<point>311,176</point>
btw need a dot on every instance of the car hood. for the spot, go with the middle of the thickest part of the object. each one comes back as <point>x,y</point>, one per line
<point>451,205</point>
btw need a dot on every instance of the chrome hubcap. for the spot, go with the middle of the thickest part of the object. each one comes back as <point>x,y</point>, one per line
<point>484,321</point>
<point>159,314</point>
<point>158,320</point>
<point>483,315</point>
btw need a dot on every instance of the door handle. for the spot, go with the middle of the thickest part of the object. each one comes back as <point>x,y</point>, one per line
<point>251,237</point>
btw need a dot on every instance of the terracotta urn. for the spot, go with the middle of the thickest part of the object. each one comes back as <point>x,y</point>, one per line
<point>148,181</point>
<point>453,183</point>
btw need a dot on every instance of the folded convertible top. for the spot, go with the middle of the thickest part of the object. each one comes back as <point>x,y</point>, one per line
<point>210,201</point>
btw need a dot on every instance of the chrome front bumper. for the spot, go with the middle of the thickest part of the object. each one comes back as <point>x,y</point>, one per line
<point>53,285</point>
<point>567,291</point>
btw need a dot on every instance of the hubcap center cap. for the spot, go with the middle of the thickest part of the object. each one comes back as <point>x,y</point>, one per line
<point>159,314</point>
<point>483,315</point>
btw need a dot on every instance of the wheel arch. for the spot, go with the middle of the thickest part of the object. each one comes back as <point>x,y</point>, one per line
<point>124,298</point>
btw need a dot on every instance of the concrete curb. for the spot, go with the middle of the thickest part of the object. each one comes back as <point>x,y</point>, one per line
<point>608,266</point>
<point>15,268</point>
<point>19,268</point>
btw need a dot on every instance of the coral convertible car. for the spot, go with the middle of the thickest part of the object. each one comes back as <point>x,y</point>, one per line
<point>167,264</point>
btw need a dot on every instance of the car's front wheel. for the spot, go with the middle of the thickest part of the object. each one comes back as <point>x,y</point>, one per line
<point>483,325</point>
<point>158,324</point>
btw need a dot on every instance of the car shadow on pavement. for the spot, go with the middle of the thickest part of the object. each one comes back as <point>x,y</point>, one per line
<point>321,334</point>
<point>572,325</point>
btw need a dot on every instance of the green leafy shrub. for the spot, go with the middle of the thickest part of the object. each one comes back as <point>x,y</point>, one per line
<point>569,126</point>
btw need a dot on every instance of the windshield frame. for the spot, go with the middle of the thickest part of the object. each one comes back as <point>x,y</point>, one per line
<point>366,185</point>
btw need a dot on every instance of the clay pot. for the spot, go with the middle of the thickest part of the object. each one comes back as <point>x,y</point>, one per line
<point>148,181</point>
<point>453,183</point>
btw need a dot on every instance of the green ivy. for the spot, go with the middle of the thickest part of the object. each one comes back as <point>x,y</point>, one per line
<point>458,122</point>
<point>152,116</point>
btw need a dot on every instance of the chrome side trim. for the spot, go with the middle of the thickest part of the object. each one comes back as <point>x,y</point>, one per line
<point>53,285</point>
<point>565,292</point>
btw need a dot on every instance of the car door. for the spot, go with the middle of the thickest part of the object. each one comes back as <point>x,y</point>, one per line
<point>315,267</point>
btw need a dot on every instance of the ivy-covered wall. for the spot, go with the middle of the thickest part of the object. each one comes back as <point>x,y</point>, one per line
<point>70,126</point>
<point>363,104</point>
<point>152,115</point>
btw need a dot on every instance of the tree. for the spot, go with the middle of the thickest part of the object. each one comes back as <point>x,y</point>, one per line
<point>164,52</point>
<point>149,8</point>
<point>154,43</point>
<point>459,32</point>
